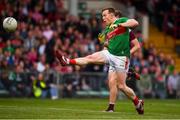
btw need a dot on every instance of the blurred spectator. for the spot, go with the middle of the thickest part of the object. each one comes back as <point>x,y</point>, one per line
<point>83,27</point>
<point>41,64</point>
<point>161,7</point>
<point>160,84</point>
<point>172,84</point>
<point>131,9</point>
<point>85,86</point>
<point>51,84</point>
<point>171,64</point>
<point>145,84</point>
<point>48,32</point>
<point>36,14</point>
<point>95,28</point>
<point>161,60</point>
<point>42,46</point>
<point>39,86</point>
<point>30,42</point>
<point>32,55</point>
<point>49,6</point>
<point>17,83</point>
<point>9,47</point>
<point>68,89</point>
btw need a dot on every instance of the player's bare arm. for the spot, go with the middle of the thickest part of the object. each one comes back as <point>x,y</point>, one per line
<point>136,46</point>
<point>130,23</point>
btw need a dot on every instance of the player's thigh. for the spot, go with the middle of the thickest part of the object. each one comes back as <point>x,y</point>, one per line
<point>112,79</point>
<point>121,79</point>
<point>97,58</point>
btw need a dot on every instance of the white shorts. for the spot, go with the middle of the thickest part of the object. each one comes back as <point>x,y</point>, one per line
<point>116,63</point>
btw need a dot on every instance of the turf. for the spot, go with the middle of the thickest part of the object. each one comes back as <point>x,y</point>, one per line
<point>85,109</point>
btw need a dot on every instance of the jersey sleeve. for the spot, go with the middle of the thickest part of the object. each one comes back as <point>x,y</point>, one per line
<point>123,19</point>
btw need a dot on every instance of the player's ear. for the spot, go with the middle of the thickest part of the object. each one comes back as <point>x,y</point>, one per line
<point>112,15</point>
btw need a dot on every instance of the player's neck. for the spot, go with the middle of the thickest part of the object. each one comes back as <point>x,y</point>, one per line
<point>114,19</point>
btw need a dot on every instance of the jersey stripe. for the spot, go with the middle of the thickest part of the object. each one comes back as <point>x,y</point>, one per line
<point>117,31</point>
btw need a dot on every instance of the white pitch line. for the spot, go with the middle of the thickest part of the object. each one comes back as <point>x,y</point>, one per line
<point>91,111</point>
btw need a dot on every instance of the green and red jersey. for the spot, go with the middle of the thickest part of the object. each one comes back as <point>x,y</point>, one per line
<point>118,39</point>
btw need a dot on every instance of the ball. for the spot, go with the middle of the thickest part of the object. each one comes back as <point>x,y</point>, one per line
<point>10,24</point>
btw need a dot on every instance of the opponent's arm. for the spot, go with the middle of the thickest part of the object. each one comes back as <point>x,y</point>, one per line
<point>134,41</point>
<point>136,46</point>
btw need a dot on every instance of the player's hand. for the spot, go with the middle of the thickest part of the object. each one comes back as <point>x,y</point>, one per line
<point>106,44</point>
<point>113,26</point>
<point>101,38</point>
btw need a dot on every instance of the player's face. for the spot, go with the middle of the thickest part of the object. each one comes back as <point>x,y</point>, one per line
<point>107,17</point>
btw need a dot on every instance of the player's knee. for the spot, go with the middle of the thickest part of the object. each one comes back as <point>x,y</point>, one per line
<point>91,59</point>
<point>89,56</point>
<point>122,87</point>
<point>112,84</point>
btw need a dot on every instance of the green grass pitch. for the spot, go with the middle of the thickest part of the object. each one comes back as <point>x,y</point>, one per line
<point>85,109</point>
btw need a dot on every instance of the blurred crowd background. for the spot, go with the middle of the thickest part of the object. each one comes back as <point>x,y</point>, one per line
<point>28,67</point>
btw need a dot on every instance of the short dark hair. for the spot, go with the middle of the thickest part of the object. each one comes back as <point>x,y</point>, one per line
<point>111,10</point>
<point>118,13</point>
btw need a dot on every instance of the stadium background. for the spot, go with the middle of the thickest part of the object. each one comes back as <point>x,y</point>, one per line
<point>28,67</point>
